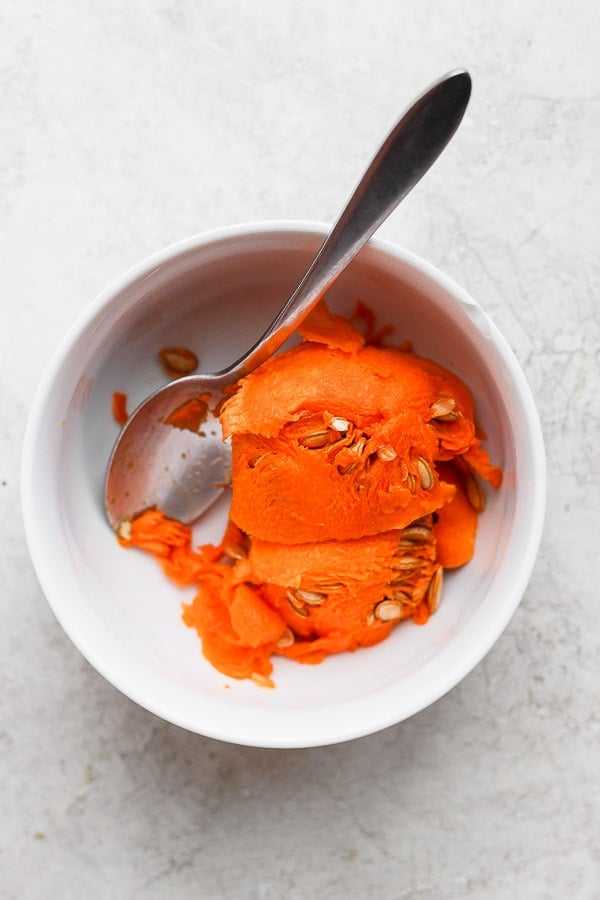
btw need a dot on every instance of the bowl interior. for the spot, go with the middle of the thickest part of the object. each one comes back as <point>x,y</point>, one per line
<point>216,295</point>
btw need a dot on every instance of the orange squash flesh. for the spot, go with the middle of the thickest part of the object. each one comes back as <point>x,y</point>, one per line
<point>456,524</point>
<point>349,492</point>
<point>343,489</point>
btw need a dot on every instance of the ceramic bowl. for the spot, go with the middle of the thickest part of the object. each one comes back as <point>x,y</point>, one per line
<point>215,293</point>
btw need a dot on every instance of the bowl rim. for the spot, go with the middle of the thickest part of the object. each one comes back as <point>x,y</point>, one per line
<point>355,727</point>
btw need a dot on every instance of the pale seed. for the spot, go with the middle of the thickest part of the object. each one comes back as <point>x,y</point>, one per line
<point>433,594</point>
<point>449,417</point>
<point>411,482</point>
<point>298,607</point>
<point>400,597</point>
<point>425,473</point>
<point>415,534</point>
<point>387,610</point>
<point>124,530</point>
<point>339,424</point>
<point>235,551</point>
<point>286,639</point>
<point>331,585</point>
<point>407,545</point>
<point>358,447</point>
<point>313,598</point>
<point>315,441</point>
<point>178,360</point>
<point>474,492</point>
<point>442,407</point>
<point>262,680</point>
<point>406,562</point>
<point>386,453</point>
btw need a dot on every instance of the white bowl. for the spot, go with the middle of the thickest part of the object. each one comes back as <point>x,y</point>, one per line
<point>215,293</point>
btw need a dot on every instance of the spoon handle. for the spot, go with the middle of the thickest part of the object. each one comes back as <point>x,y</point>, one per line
<point>410,149</point>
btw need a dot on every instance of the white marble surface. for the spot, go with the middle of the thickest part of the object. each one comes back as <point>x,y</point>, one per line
<point>128,125</point>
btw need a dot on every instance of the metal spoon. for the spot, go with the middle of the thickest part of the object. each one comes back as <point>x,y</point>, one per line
<point>181,472</point>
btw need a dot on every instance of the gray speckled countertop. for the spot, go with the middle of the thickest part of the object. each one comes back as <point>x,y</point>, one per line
<point>127,126</point>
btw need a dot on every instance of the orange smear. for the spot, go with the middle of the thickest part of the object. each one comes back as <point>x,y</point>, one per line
<point>191,415</point>
<point>119,407</point>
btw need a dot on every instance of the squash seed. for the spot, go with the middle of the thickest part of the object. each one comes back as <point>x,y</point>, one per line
<point>387,610</point>
<point>403,581</point>
<point>411,482</point>
<point>415,534</point>
<point>443,406</point>
<point>407,562</point>
<point>358,447</point>
<point>433,593</point>
<point>178,360</point>
<point>407,545</point>
<point>124,530</point>
<point>297,606</point>
<point>474,492</point>
<point>339,424</point>
<point>425,473</point>
<point>401,597</point>
<point>316,440</point>
<point>313,598</point>
<point>386,453</point>
<point>262,680</point>
<point>235,551</point>
<point>286,639</point>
